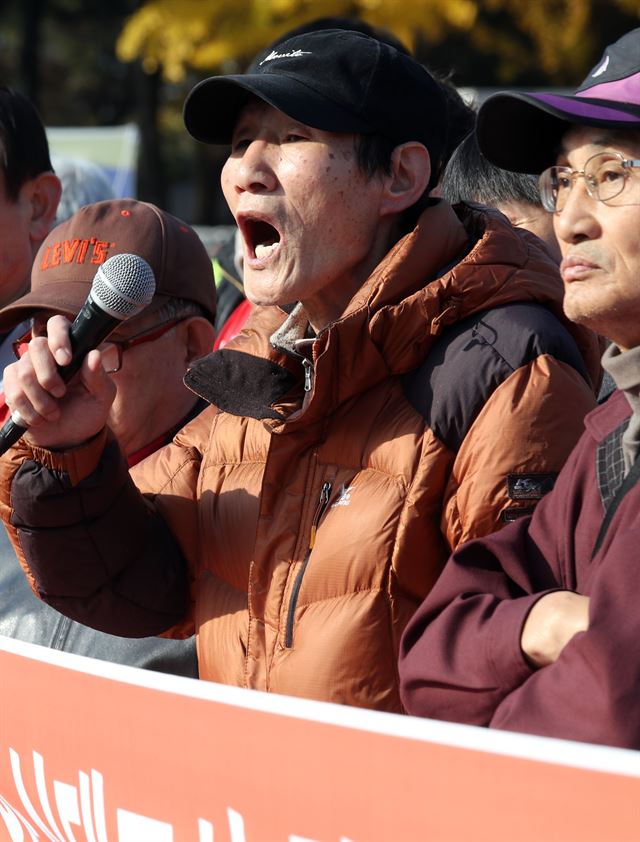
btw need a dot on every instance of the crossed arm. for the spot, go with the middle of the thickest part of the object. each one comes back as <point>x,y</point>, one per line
<point>505,640</point>
<point>551,624</point>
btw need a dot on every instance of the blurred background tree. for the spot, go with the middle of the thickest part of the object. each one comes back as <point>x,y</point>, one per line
<point>506,41</point>
<point>91,63</point>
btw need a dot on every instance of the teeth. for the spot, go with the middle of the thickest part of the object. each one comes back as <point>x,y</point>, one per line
<point>263,251</point>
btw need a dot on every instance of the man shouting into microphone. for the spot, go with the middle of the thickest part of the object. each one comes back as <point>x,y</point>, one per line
<point>406,381</point>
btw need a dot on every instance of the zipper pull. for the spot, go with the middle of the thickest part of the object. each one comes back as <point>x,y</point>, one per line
<point>308,371</point>
<point>322,505</point>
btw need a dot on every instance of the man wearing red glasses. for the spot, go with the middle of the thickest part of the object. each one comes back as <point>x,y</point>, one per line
<point>146,357</point>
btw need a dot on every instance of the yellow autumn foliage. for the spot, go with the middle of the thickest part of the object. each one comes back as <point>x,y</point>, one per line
<point>221,35</point>
<point>175,35</point>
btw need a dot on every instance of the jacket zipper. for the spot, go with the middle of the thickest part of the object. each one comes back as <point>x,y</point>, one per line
<point>308,373</point>
<point>325,492</point>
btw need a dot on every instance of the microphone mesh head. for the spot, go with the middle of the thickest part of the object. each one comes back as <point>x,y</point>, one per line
<point>123,286</point>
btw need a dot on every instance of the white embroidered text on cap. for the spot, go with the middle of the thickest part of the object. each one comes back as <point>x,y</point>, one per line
<point>293,54</point>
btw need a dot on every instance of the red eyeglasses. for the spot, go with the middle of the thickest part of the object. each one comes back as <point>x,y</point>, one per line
<point>113,349</point>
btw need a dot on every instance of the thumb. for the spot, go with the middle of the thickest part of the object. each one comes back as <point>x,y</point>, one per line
<point>95,379</point>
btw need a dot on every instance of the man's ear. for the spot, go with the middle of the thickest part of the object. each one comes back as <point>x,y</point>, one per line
<point>43,195</point>
<point>410,173</point>
<point>200,336</point>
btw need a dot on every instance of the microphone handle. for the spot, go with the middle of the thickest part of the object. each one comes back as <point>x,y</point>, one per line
<point>10,433</point>
<point>90,328</point>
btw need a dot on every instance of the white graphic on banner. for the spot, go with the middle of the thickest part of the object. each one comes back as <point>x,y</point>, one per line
<point>16,823</point>
<point>133,827</point>
<point>83,807</point>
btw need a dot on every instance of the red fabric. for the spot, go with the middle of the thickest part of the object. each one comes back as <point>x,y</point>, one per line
<point>233,325</point>
<point>148,449</point>
<point>165,438</point>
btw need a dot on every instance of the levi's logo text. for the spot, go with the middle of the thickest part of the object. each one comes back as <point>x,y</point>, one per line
<point>80,251</point>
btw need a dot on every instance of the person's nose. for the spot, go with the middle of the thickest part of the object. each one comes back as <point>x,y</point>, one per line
<point>578,219</point>
<point>255,171</point>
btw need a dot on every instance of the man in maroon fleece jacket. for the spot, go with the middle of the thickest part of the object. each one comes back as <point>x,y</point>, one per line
<point>537,628</point>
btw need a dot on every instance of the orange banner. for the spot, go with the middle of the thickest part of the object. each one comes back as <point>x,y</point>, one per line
<point>93,752</point>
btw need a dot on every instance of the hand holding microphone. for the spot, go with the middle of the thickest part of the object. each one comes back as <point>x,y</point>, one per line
<point>123,286</point>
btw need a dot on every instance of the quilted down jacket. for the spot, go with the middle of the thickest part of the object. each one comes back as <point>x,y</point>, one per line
<point>299,521</point>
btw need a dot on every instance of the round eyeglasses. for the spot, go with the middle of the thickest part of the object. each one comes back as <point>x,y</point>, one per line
<point>605,176</point>
<point>113,349</point>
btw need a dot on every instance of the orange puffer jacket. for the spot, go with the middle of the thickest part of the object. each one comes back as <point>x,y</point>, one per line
<point>318,498</point>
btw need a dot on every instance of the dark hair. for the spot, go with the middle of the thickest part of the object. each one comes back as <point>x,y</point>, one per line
<point>461,119</point>
<point>374,151</point>
<point>24,151</point>
<point>469,177</point>
<point>373,157</point>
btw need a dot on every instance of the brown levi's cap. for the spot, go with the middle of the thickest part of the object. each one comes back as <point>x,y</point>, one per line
<point>69,258</point>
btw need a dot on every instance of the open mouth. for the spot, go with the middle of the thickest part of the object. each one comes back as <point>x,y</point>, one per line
<point>260,236</point>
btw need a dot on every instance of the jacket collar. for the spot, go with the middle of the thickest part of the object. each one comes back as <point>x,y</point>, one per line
<point>390,324</point>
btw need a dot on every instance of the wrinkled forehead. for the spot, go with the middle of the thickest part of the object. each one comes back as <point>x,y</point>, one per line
<point>590,140</point>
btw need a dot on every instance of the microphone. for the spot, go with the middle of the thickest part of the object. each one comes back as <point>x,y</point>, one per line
<point>123,286</point>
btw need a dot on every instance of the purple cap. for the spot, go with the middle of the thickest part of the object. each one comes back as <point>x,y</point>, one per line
<point>522,131</point>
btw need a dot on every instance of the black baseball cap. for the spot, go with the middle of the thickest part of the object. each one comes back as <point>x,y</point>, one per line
<point>522,131</point>
<point>335,80</point>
